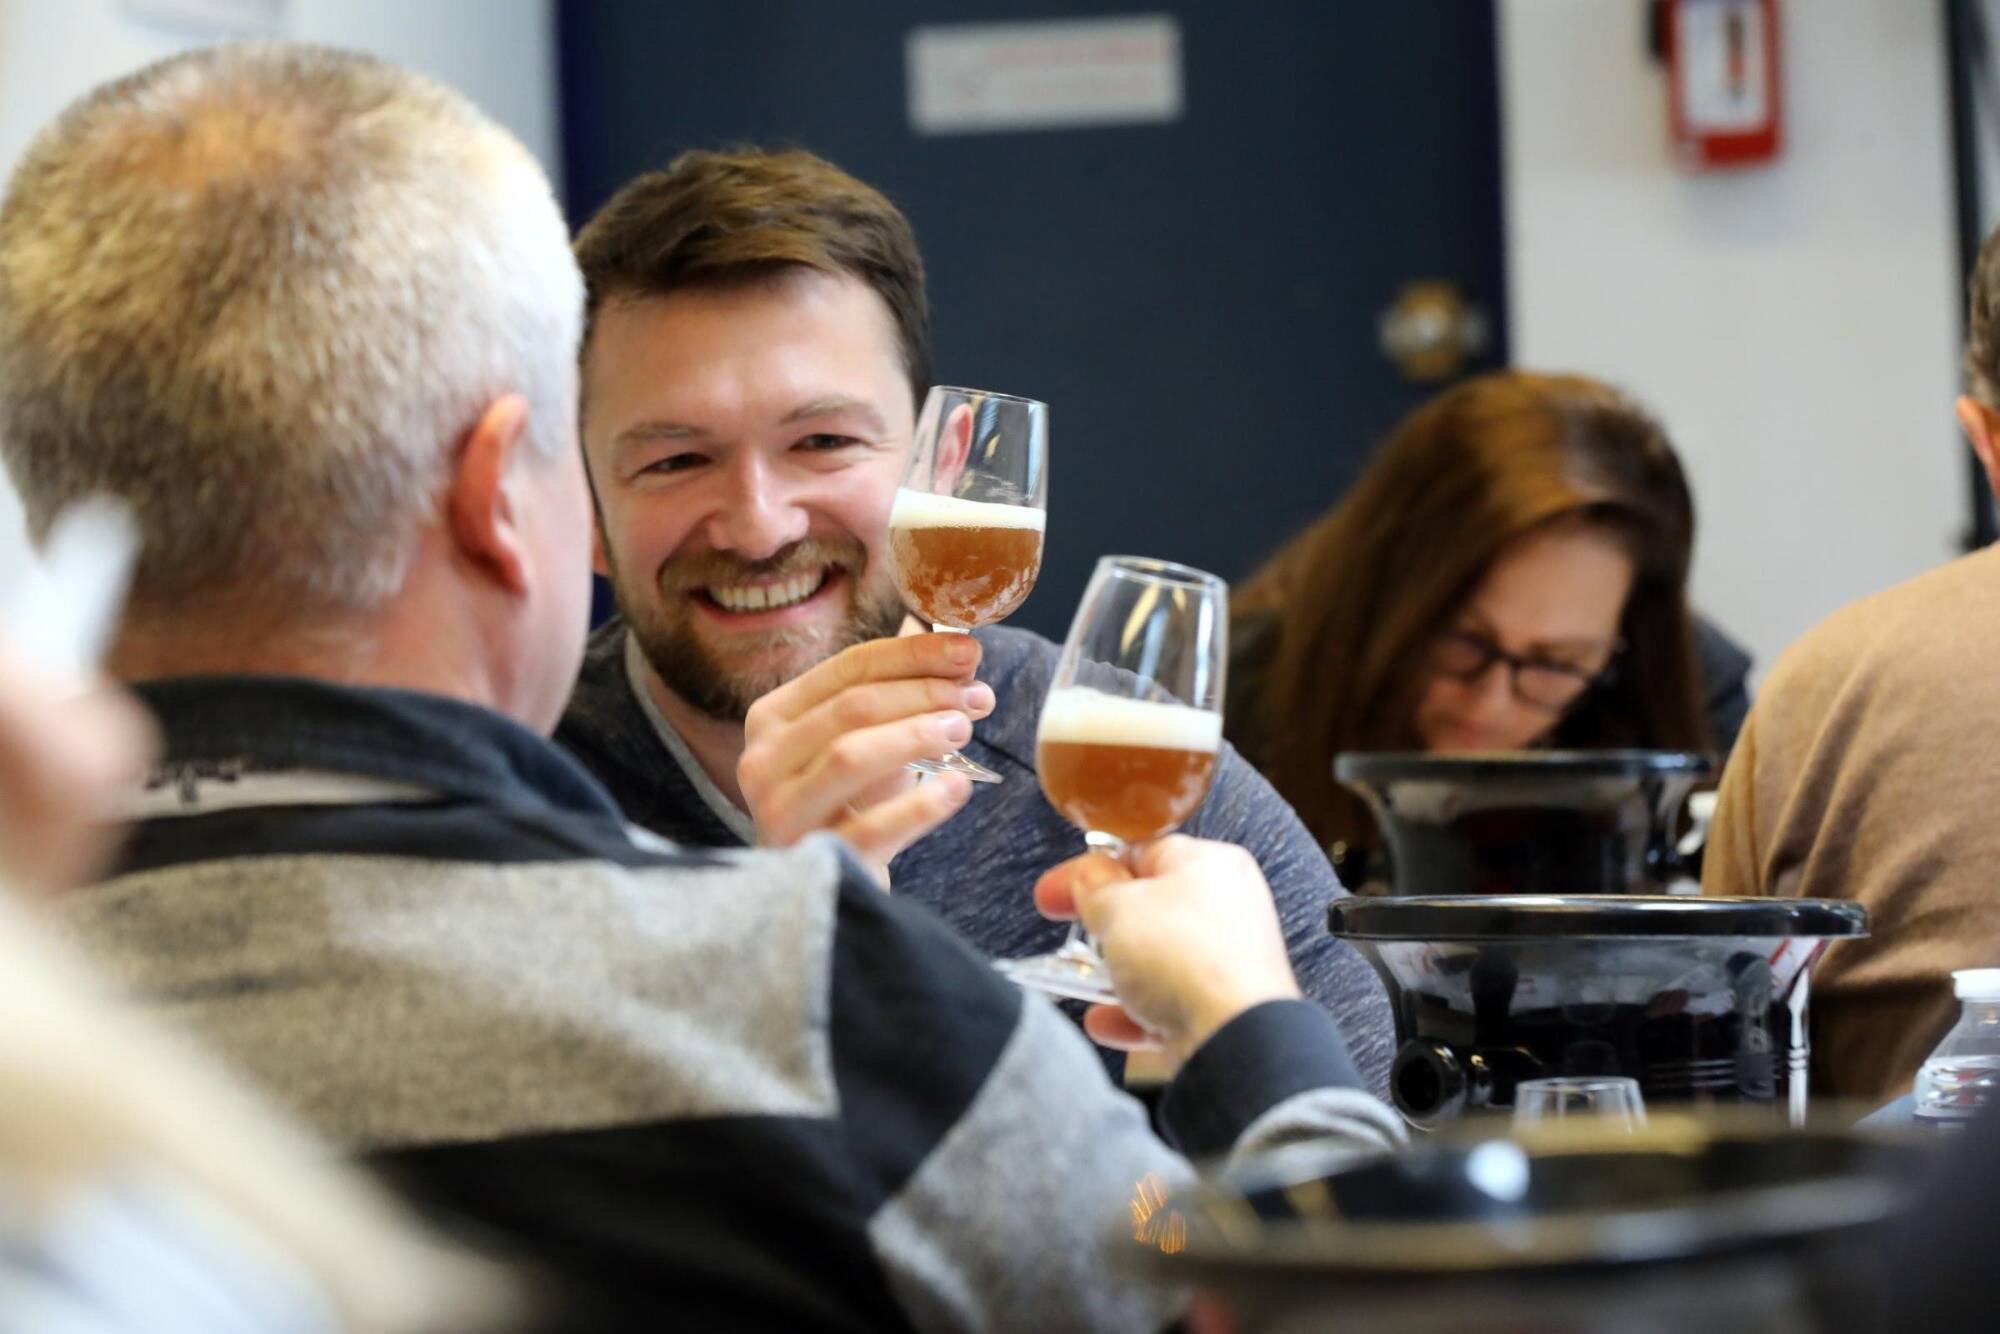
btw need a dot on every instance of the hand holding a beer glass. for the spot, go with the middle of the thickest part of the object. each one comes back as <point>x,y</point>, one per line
<point>1189,933</point>
<point>835,748</point>
<point>1129,733</point>
<point>832,749</point>
<point>965,534</point>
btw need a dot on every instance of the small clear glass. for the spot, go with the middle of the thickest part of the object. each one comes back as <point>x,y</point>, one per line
<point>1613,1098</point>
<point>1129,734</point>
<point>965,532</point>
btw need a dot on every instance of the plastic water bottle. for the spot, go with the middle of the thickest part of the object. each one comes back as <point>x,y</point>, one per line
<point>1963,1074</point>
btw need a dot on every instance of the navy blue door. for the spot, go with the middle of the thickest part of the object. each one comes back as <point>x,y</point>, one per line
<point>1197,301</point>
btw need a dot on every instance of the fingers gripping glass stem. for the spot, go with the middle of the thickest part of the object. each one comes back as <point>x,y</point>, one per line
<point>1074,969</point>
<point>955,762</point>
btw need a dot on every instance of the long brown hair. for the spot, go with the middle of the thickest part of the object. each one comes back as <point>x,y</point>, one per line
<point>1360,595</point>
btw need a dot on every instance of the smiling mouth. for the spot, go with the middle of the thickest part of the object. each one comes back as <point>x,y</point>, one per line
<point>789,592</point>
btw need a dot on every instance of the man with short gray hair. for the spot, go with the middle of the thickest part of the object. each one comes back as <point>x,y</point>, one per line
<point>308,340</point>
<point>315,318</point>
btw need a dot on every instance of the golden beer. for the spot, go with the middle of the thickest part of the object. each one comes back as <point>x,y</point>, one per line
<point>1131,768</point>
<point>963,563</point>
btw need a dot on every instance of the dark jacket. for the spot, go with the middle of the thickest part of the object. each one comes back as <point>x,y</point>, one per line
<point>722,1090</point>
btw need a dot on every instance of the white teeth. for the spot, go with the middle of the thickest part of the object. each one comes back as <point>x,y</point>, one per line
<point>760,597</point>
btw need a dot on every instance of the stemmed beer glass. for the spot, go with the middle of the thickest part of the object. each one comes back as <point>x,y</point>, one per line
<point>1128,738</point>
<point>1614,1099</point>
<point>965,533</point>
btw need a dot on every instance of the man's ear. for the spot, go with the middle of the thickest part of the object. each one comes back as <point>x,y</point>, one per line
<point>480,510</point>
<point>1981,425</point>
<point>600,564</point>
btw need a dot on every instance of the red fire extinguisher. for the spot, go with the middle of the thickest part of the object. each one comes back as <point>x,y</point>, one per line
<point>1724,93</point>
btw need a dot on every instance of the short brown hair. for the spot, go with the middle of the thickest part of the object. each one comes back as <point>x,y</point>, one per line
<point>1361,594</point>
<point>1982,325</point>
<point>745,216</point>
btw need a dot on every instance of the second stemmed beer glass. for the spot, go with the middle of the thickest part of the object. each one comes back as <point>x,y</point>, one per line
<point>965,534</point>
<point>1128,738</point>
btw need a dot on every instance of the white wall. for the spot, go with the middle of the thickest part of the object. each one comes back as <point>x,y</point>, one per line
<point>1794,325</point>
<point>500,53</point>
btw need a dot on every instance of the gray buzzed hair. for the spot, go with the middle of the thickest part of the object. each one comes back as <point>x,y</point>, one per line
<point>261,292</point>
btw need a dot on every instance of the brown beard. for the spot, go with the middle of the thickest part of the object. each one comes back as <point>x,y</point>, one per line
<point>665,634</point>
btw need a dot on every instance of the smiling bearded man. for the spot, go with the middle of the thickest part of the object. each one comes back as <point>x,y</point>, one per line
<point>756,347</point>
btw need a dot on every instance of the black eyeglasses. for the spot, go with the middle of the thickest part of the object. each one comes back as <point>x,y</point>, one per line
<point>1465,656</point>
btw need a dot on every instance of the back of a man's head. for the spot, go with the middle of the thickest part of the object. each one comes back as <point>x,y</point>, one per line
<point>258,292</point>
<point>1982,336</point>
<point>720,219</point>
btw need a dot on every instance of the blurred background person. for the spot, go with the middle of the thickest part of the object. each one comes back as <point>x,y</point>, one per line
<point>1509,571</point>
<point>1867,772</point>
<point>140,1189</point>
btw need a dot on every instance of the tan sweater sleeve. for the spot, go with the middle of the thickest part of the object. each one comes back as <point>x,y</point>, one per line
<point>1730,864</point>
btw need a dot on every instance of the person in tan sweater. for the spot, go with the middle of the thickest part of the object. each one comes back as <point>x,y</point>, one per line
<point>1869,770</point>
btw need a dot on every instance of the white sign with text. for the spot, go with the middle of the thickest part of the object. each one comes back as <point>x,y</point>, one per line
<point>969,78</point>
<point>214,18</point>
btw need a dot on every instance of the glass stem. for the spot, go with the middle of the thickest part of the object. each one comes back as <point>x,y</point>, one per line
<point>1118,850</point>
<point>1112,846</point>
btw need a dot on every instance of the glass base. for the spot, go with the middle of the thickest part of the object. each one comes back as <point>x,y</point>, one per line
<point>1075,971</point>
<point>956,763</point>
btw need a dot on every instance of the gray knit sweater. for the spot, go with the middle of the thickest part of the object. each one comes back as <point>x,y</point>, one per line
<point>976,871</point>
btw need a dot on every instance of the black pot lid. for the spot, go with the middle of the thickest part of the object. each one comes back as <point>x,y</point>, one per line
<point>1566,1195</point>
<point>1374,766</point>
<point>1528,916</point>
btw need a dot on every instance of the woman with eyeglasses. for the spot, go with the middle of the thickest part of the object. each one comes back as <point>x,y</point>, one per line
<point>1509,571</point>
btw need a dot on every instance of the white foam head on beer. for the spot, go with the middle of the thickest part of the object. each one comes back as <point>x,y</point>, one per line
<point>921,509</point>
<point>1082,716</point>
